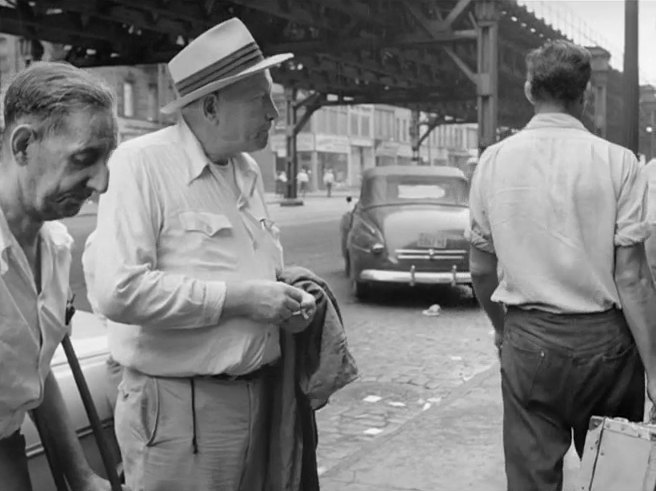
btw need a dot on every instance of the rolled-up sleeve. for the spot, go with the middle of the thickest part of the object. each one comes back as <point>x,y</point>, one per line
<point>479,233</point>
<point>631,226</point>
<point>126,285</point>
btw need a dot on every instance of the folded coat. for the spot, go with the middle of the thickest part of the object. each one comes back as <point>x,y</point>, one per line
<point>315,363</point>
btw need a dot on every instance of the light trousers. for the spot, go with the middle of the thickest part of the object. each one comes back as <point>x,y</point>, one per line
<point>201,434</point>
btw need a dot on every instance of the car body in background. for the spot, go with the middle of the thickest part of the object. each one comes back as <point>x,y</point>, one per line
<point>102,379</point>
<point>408,227</point>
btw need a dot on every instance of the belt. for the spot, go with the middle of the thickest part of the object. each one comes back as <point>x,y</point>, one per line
<point>246,377</point>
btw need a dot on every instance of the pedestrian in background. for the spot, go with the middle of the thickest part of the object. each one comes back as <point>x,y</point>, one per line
<point>184,265</point>
<point>303,179</point>
<point>559,213</point>
<point>60,130</point>
<point>281,182</point>
<point>328,181</point>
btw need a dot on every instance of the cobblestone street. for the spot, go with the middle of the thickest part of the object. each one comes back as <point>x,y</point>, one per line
<point>408,362</point>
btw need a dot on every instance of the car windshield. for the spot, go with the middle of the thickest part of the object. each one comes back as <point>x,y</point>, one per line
<point>396,189</point>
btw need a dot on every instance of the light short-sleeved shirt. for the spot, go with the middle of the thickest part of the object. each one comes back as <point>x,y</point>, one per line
<point>649,171</point>
<point>31,324</point>
<point>552,203</point>
<point>173,229</point>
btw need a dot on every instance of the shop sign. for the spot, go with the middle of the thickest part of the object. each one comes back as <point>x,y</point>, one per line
<point>332,144</point>
<point>278,143</point>
<point>358,141</point>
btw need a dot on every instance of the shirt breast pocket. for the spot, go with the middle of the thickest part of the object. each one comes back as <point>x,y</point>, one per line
<point>209,224</point>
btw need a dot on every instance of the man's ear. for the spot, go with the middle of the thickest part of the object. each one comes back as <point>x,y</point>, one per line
<point>210,106</point>
<point>527,92</point>
<point>21,138</point>
<point>587,95</point>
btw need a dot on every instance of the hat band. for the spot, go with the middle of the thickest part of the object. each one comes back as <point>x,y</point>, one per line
<point>230,65</point>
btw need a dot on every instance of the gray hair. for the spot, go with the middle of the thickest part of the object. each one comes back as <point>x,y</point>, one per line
<point>49,91</point>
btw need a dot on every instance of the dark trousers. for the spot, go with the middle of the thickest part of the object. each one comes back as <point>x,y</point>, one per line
<point>557,371</point>
<point>14,475</point>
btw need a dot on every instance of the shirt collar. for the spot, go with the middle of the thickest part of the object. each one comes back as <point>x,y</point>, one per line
<point>196,158</point>
<point>197,161</point>
<point>54,234</point>
<point>554,120</point>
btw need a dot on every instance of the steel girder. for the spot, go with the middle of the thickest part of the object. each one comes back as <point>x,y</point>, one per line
<point>415,53</point>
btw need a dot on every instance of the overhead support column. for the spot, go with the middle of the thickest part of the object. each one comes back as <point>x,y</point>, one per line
<point>487,86</point>
<point>414,135</point>
<point>599,82</point>
<point>630,82</point>
<point>293,126</point>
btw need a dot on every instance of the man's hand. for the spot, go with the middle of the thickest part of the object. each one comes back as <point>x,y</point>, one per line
<point>270,302</point>
<point>498,341</point>
<point>301,319</point>
<point>97,483</point>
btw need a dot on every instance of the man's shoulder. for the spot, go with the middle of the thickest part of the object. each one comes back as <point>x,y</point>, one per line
<point>148,147</point>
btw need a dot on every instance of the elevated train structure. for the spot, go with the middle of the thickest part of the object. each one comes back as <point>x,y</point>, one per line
<point>449,61</point>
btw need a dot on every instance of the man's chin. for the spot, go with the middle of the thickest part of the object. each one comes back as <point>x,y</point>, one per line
<point>66,209</point>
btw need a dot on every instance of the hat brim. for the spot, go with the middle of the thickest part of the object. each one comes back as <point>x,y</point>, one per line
<point>269,62</point>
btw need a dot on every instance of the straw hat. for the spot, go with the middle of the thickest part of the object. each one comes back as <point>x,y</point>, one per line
<point>219,57</point>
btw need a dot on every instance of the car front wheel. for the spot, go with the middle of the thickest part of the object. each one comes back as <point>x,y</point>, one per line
<point>360,290</point>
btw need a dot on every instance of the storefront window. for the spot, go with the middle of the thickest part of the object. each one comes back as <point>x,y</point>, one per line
<point>338,162</point>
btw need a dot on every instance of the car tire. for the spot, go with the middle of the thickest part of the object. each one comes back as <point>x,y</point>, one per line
<point>360,290</point>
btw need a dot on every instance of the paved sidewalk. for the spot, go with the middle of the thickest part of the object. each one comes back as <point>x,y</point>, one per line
<point>453,446</point>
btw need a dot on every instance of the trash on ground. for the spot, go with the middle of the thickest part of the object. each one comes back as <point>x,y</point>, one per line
<point>373,431</point>
<point>456,358</point>
<point>426,406</point>
<point>433,311</point>
<point>396,404</point>
<point>372,399</point>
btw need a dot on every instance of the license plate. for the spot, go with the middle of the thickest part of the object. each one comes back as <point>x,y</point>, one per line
<point>430,241</point>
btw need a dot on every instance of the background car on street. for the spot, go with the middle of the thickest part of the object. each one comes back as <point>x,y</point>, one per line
<point>408,227</point>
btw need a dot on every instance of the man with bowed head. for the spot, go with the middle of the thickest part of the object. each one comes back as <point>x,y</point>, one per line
<point>184,265</point>
<point>60,130</point>
<point>560,213</point>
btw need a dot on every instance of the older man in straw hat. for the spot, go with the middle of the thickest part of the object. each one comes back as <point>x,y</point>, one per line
<point>184,264</point>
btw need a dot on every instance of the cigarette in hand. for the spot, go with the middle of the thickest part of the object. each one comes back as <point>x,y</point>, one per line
<point>303,313</point>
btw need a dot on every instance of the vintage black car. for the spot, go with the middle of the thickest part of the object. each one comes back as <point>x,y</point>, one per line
<point>408,227</point>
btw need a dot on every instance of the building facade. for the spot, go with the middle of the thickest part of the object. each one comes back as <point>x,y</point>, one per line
<point>350,139</point>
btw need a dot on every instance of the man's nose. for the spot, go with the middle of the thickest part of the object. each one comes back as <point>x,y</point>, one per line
<point>100,178</point>
<point>272,112</point>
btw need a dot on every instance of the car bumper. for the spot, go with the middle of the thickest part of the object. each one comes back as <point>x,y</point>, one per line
<point>413,277</point>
